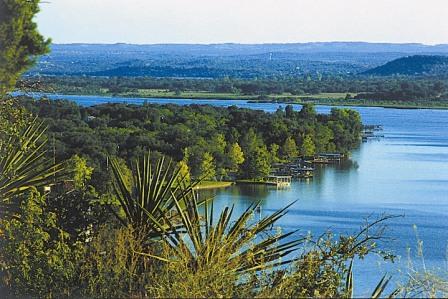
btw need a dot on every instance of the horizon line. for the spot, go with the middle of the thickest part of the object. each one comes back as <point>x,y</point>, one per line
<point>249,44</point>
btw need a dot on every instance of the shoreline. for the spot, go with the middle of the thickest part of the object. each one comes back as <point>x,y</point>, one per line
<point>211,185</point>
<point>250,99</point>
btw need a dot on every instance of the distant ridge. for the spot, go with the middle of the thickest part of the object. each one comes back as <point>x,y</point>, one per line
<point>225,60</point>
<point>412,66</point>
<point>251,49</point>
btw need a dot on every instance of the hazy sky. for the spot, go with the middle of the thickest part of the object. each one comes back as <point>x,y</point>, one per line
<point>244,21</point>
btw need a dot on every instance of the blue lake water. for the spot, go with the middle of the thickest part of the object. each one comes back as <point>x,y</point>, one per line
<point>404,173</point>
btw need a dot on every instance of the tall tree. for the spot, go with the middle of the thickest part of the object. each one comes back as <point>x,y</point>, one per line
<point>289,149</point>
<point>208,167</point>
<point>235,156</point>
<point>257,165</point>
<point>273,151</point>
<point>250,141</point>
<point>20,41</point>
<point>308,148</point>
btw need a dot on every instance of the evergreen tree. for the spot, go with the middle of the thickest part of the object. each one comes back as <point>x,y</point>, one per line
<point>20,41</point>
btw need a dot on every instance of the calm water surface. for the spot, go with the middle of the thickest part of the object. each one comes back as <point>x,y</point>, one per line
<point>405,173</point>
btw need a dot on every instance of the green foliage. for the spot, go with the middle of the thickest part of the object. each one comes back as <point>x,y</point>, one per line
<point>346,127</point>
<point>207,167</point>
<point>308,112</point>
<point>20,41</point>
<point>128,131</point>
<point>176,280</point>
<point>413,65</point>
<point>257,165</point>
<point>14,119</point>
<point>308,149</point>
<point>36,257</point>
<point>112,268</point>
<point>82,173</point>
<point>273,152</point>
<point>324,139</point>
<point>146,204</point>
<point>211,254</point>
<point>324,268</point>
<point>184,171</point>
<point>396,90</point>
<point>171,244</point>
<point>235,156</point>
<point>23,165</point>
<point>289,149</point>
<point>78,211</point>
<point>251,141</point>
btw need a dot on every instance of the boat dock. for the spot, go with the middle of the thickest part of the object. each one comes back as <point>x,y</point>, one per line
<point>328,158</point>
<point>298,169</point>
<point>271,180</point>
<point>278,180</point>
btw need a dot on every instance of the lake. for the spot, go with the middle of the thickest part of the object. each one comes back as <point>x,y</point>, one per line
<point>404,173</point>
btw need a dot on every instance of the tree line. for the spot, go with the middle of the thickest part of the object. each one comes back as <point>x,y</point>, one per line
<point>211,142</point>
<point>381,88</point>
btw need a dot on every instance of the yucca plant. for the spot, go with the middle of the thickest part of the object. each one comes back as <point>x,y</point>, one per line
<point>244,247</point>
<point>149,202</point>
<point>23,164</point>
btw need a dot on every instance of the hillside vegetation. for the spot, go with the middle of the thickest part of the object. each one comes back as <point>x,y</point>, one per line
<point>413,65</point>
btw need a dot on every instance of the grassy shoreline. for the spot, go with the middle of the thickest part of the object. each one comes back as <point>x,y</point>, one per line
<point>328,99</point>
<point>207,185</point>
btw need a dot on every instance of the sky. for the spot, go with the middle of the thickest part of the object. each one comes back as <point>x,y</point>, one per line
<point>244,21</point>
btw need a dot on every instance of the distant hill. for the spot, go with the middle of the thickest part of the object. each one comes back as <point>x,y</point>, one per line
<point>221,60</point>
<point>412,66</point>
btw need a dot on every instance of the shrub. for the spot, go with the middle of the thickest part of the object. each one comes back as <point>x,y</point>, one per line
<point>36,257</point>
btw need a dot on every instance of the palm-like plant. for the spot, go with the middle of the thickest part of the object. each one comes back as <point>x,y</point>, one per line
<point>23,164</point>
<point>238,245</point>
<point>148,203</point>
<point>160,203</point>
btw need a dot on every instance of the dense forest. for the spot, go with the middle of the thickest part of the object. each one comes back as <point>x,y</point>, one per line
<point>416,65</point>
<point>215,143</point>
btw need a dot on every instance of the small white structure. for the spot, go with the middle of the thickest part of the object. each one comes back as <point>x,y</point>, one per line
<point>279,180</point>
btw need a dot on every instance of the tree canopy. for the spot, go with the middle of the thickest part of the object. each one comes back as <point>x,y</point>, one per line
<point>20,41</point>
